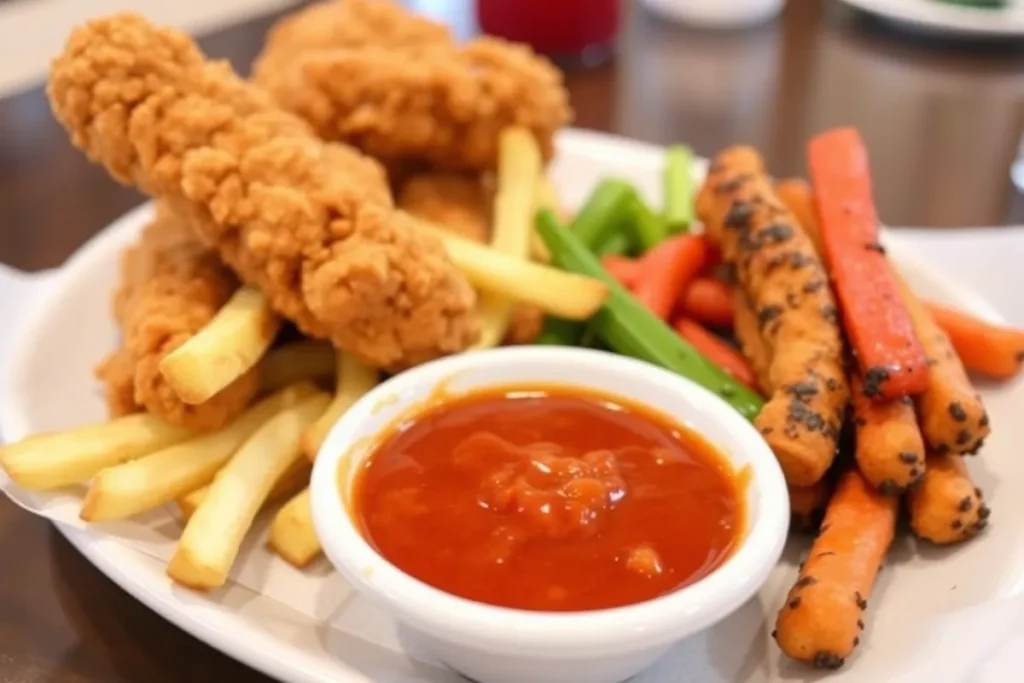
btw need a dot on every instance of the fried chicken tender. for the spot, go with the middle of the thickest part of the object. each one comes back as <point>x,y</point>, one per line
<point>426,100</point>
<point>171,286</point>
<point>463,203</point>
<point>310,224</point>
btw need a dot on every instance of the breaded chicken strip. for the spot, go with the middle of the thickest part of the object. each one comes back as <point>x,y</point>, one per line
<point>310,224</point>
<point>423,100</point>
<point>464,204</point>
<point>171,286</point>
<point>343,24</point>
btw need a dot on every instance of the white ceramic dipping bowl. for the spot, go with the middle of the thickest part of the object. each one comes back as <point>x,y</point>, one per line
<point>500,645</point>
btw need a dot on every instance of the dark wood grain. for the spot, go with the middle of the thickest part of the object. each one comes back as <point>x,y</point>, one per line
<point>942,119</point>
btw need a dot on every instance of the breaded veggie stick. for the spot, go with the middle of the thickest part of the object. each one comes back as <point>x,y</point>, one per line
<point>947,507</point>
<point>779,271</point>
<point>748,334</point>
<point>807,502</point>
<point>890,450</point>
<point>798,196</point>
<point>950,411</point>
<point>823,616</point>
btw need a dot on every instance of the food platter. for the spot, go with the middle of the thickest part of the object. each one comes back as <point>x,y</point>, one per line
<point>932,598</point>
<point>946,19</point>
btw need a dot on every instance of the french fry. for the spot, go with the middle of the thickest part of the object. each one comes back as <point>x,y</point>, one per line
<point>354,379</point>
<point>211,539</point>
<point>304,360</point>
<point>149,482</point>
<point>231,343</point>
<point>947,507</point>
<point>294,479</point>
<point>556,292</point>
<point>49,461</point>
<point>292,535</point>
<point>519,166</point>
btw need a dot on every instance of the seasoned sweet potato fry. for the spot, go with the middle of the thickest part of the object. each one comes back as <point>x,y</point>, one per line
<point>807,502</point>
<point>798,196</point>
<point>888,353</point>
<point>823,616</point>
<point>950,411</point>
<point>890,450</point>
<point>748,334</point>
<point>987,349</point>
<point>778,270</point>
<point>947,507</point>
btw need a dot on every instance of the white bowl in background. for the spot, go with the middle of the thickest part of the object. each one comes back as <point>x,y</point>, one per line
<point>500,645</point>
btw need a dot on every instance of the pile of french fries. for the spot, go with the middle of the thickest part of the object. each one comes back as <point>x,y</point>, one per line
<point>221,480</point>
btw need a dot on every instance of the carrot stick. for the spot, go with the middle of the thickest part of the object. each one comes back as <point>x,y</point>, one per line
<point>987,349</point>
<point>713,257</point>
<point>950,412</point>
<point>748,334</point>
<point>797,195</point>
<point>824,611</point>
<point>667,270</point>
<point>708,301</point>
<point>890,450</point>
<point>717,351</point>
<point>624,269</point>
<point>947,507</point>
<point>807,502</point>
<point>889,354</point>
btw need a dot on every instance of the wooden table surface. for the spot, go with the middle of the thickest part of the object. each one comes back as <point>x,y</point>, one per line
<point>942,120</point>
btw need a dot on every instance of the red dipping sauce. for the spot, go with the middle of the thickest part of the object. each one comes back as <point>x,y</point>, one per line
<point>550,499</point>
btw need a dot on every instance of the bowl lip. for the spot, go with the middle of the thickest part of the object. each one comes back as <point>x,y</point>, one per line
<point>443,615</point>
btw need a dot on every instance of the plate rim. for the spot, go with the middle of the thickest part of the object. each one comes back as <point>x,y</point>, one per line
<point>935,24</point>
<point>218,625</point>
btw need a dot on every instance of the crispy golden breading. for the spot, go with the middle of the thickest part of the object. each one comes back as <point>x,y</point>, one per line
<point>787,285</point>
<point>947,507</point>
<point>308,223</point>
<point>409,92</point>
<point>172,285</point>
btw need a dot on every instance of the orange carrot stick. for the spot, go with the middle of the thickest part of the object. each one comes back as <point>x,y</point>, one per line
<point>987,349</point>
<point>624,269</point>
<point>823,617</point>
<point>889,354</point>
<point>947,507</point>
<point>713,258</point>
<point>807,502</point>
<point>717,351</point>
<point>798,196</point>
<point>708,301</point>
<point>890,450</point>
<point>667,270</point>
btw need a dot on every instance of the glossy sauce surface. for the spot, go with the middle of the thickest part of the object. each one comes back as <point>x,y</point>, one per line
<point>549,499</point>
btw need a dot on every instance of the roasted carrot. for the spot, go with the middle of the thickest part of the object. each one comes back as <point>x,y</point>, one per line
<point>667,270</point>
<point>890,357</point>
<point>823,617</point>
<point>624,269</point>
<point>713,259</point>
<point>748,335</point>
<point>889,450</point>
<point>984,348</point>
<point>950,411</point>
<point>717,351</point>
<point>947,507</point>
<point>708,301</point>
<point>807,502</point>
<point>779,272</point>
<point>798,196</point>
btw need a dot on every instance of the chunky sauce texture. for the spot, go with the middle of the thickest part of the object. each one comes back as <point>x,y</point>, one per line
<point>551,499</point>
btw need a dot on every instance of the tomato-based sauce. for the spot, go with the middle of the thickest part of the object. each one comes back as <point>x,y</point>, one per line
<point>548,499</point>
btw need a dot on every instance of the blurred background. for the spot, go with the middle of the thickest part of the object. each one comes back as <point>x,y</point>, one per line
<point>937,91</point>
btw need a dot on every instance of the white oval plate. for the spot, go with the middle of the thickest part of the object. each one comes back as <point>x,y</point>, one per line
<point>936,615</point>
<point>942,18</point>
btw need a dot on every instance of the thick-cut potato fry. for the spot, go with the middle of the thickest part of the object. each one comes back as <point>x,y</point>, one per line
<point>798,196</point>
<point>292,534</point>
<point>748,334</point>
<point>806,503</point>
<point>519,167</point>
<point>947,507</point>
<point>213,535</point>
<point>556,292</point>
<point>354,379</point>
<point>890,449</point>
<point>295,478</point>
<point>225,349</point>
<point>950,411</point>
<point>49,461</point>
<point>146,483</point>
<point>303,360</point>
